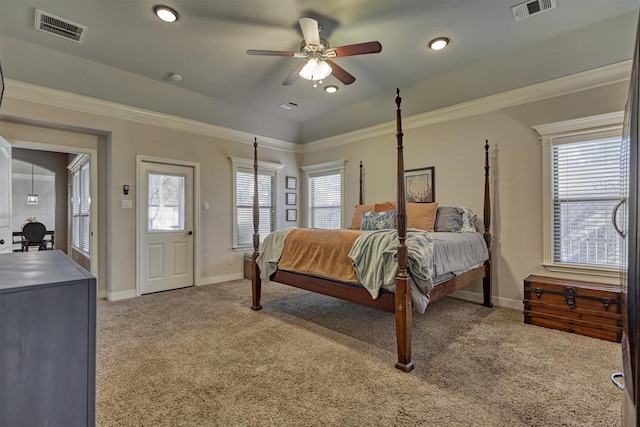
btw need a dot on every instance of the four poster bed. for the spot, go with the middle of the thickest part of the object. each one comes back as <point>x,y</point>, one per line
<point>412,270</point>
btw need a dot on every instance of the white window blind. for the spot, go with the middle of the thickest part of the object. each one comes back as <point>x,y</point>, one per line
<point>244,205</point>
<point>325,198</point>
<point>586,186</point>
<point>80,204</point>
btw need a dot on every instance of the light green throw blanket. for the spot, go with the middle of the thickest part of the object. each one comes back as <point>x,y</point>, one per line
<point>375,259</point>
<point>271,253</point>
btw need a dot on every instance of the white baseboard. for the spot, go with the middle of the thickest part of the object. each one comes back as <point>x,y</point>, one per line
<point>218,279</point>
<point>497,301</point>
<point>116,296</point>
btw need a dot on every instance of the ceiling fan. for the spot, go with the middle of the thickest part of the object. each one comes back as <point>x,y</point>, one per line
<point>318,52</point>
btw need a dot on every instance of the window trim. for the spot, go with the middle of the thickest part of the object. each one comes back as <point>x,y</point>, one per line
<point>583,129</point>
<point>322,168</point>
<point>80,163</point>
<point>242,163</point>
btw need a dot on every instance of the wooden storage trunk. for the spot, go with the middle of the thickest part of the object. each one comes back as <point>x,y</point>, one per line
<point>583,308</point>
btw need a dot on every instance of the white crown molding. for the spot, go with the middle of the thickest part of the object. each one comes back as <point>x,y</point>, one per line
<point>55,98</point>
<point>585,80</point>
<point>601,76</point>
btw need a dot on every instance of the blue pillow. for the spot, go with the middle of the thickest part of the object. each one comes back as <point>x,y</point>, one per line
<point>378,220</point>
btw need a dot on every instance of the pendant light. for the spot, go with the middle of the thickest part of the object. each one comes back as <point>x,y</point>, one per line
<point>32,198</point>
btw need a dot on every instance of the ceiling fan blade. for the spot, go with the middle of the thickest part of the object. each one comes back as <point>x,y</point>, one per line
<point>270,52</point>
<point>357,49</point>
<point>310,31</point>
<point>340,73</point>
<point>293,77</point>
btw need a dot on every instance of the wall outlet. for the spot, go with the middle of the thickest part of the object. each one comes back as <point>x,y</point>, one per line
<point>230,260</point>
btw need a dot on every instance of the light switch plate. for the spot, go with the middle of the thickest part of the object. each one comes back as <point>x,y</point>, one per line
<point>127,204</point>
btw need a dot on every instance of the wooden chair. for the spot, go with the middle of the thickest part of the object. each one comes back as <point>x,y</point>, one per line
<point>33,235</point>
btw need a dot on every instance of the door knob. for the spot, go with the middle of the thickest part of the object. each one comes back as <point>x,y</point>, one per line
<point>1,241</point>
<point>188,233</point>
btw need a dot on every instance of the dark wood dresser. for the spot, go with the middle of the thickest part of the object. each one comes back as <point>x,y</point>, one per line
<point>574,306</point>
<point>47,341</point>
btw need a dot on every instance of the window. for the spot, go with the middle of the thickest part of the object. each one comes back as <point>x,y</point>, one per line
<point>80,202</point>
<point>243,200</point>
<point>325,194</point>
<point>582,186</point>
<point>166,202</point>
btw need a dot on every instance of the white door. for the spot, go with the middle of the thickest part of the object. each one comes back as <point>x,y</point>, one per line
<point>166,227</point>
<point>6,236</point>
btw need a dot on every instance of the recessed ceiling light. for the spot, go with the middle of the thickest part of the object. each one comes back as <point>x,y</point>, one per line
<point>166,13</point>
<point>439,43</point>
<point>331,89</point>
<point>175,77</point>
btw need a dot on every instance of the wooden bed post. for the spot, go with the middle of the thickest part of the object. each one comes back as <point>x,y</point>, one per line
<point>256,283</point>
<point>360,198</point>
<point>486,280</point>
<point>403,303</point>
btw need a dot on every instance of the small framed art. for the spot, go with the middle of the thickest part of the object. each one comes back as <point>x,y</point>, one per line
<point>292,214</point>
<point>420,185</point>
<point>292,199</point>
<point>292,183</point>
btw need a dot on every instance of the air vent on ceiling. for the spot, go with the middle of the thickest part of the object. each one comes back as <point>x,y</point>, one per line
<point>529,8</point>
<point>289,105</point>
<point>60,27</point>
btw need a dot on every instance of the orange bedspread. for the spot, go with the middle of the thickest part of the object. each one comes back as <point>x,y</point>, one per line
<point>322,253</point>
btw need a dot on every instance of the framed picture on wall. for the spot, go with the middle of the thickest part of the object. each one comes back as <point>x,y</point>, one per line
<point>292,214</point>
<point>292,183</point>
<point>420,185</point>
<point>292,199</point>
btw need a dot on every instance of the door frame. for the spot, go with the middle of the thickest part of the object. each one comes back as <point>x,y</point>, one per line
<point>9,212</point>
<point>196,213</point>
<point>93,192</point>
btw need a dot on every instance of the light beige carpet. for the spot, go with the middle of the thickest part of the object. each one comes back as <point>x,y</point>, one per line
<point>201,357</point>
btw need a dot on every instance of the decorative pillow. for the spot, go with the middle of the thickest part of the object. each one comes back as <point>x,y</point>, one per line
<point>421,215</point>
<point>356,220</point>
<point>468,221</point>
<point>378,220</point>
<point>449,219</point>
<point>385,206</point>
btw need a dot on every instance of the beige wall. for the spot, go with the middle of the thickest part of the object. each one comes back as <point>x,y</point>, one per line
<point>454,147</point>
<point>118,142</point>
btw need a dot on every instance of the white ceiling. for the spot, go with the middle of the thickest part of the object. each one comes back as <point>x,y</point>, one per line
<point>20,167</point>
<point>128,55</point>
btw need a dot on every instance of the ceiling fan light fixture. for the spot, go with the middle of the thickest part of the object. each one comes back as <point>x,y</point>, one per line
<point>314,70</point>
<point>166,13</point>
<point>323,70</point>
<point>331,89</point>
<point>308,69</point>
<point>439,43</point>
